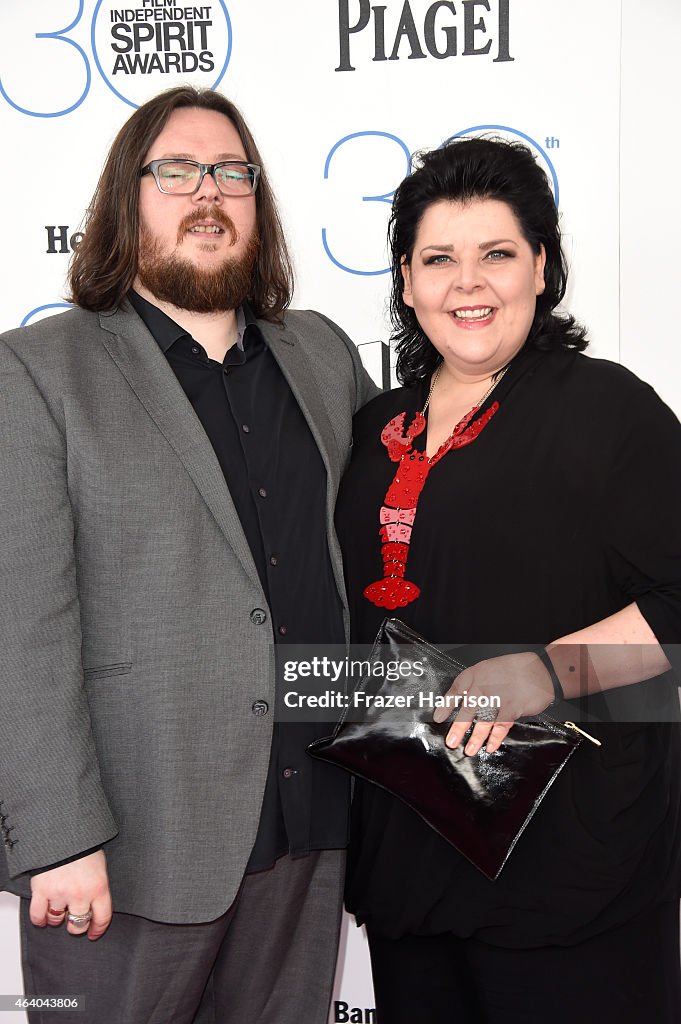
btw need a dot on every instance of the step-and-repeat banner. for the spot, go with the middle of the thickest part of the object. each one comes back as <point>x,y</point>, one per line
<point>339,94</point>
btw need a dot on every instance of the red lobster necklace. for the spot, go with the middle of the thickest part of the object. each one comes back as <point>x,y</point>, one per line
<point>402,497</point>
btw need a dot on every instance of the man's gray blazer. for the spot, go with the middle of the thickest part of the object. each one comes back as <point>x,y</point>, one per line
<point>135,633</point>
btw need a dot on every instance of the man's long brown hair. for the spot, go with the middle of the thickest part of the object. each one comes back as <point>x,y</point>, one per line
<point>104,265</point>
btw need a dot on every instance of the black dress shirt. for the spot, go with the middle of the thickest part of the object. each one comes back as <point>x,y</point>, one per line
<point>277,481</point>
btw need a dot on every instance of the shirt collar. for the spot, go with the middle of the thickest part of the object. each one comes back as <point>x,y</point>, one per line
<point>167,331</point>
<point>241,326</point>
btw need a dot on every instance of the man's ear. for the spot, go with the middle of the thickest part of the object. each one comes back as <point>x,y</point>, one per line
<point>406,277</point>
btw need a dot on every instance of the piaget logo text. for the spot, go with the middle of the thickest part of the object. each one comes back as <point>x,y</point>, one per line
<point>416,30</point>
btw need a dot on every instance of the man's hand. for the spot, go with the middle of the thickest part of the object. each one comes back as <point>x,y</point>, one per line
<point>74,888</point>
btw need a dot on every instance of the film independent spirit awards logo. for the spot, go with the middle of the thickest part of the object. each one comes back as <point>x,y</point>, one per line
<point>144,46</point>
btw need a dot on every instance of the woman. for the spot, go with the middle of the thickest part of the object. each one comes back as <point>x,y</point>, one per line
<point>546,510</point>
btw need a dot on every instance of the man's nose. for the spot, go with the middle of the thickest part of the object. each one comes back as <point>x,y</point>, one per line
<point>207,192</point>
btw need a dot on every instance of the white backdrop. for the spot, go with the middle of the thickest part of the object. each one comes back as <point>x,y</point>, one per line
<point>339,93</point>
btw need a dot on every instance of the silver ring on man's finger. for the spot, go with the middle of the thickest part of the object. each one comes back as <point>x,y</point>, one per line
<point>79,920</point>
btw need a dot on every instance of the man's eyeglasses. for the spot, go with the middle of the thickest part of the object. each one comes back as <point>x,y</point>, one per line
<point>184,177</point>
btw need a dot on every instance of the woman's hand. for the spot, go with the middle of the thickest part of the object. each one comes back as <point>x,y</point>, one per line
<point>621,650</point>
<point>519,681</point>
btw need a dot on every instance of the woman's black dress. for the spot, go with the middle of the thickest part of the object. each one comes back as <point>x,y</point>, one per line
<point>564,510</point>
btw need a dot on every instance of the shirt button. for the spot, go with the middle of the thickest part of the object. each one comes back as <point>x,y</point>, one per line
<point>245,427</point>
<point>288,773</point>
<point>262,492</point>
<point>258,616</point>
<point>260,708</point>
<point>274,560</point>
<point>283,630</point>
<point>195,349</point>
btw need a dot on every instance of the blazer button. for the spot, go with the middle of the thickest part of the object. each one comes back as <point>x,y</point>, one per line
<point>260,707</point>
<point>258,616</point>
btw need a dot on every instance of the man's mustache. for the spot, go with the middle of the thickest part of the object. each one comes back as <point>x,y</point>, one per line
<point>213,213</point>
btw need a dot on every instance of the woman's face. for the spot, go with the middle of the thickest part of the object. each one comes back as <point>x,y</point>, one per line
<point>473,283</point>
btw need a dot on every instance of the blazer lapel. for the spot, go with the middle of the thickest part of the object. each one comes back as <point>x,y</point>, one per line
<point>295,366</point>
<point>146,370</point>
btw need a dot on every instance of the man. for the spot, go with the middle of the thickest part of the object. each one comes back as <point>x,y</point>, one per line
<point>170,452</point>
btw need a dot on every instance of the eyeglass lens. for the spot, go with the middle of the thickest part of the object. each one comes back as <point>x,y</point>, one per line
<point>182,177</point>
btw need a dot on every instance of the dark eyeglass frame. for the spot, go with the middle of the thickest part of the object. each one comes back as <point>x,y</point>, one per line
<point>153,168</point>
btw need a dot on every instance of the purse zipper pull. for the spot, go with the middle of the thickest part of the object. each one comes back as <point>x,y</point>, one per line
<point>571,725</point>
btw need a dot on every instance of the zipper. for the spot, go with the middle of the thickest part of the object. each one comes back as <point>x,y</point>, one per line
<point>571,725</point>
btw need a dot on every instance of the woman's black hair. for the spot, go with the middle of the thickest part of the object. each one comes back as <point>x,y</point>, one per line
<point>479,168</point>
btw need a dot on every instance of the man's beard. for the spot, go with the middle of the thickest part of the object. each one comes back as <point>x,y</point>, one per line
<point>180,282</point>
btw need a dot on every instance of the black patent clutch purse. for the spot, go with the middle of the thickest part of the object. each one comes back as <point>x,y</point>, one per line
<point>480,804</point>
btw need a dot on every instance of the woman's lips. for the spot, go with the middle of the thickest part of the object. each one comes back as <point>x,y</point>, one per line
<point>472,317</point>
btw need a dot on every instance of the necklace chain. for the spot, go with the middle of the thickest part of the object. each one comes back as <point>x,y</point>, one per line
<point>477,405</point>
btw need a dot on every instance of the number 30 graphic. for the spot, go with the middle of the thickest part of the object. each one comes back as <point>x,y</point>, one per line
<point>361,160</point>
<point>54,64</point>
<point>386,197</point>
<point>63,63</point>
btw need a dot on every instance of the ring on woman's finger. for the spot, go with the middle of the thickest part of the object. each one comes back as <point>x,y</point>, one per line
<point>79,920</point>
<point>487,714</point>
<point>53,912</point>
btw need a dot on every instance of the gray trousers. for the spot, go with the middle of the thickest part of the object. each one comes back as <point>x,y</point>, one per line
<point>269,959</point>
